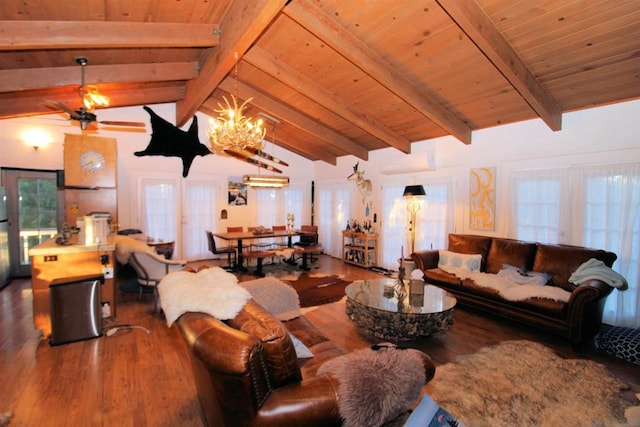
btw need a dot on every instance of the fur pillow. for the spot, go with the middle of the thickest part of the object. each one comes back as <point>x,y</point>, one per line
<point>377,387</point>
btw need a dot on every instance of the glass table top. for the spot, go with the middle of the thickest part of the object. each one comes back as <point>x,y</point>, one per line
<point>421,298</point>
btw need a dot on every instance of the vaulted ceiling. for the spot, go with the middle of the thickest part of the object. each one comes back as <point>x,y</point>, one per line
<point>339,76</point>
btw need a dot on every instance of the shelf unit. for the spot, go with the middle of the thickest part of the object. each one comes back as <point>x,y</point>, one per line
<point>359,248</point>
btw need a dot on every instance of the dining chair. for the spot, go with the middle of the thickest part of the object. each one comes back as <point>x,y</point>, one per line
<point>150,269</point>
<point>229,250</point>
<point>308,238</point>
<point>279,242</point>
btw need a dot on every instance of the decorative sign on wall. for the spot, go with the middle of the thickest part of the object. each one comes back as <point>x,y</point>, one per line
<point>237,191</point>
<point>482,198</point>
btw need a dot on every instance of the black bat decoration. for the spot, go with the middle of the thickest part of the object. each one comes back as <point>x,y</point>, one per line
<point>170,141</point>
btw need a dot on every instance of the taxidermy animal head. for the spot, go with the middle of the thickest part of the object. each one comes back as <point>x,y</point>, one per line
<point>364,185</point>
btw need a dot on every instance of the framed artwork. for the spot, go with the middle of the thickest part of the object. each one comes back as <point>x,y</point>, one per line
<point>237,191</point>
<point>482,199</point>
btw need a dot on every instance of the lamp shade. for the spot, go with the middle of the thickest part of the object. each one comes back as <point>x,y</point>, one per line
<point>414,190</point>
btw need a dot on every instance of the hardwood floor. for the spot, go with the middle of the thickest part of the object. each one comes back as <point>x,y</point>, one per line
<point>135,378</point>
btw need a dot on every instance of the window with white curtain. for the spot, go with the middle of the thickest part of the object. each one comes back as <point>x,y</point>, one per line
<point>160,207</point>
<point>595,206</point>
<point>537,197</point>
<point>273,205</point>
<point>333,211</point>
<point>199,211</point>
<point>434,220</point>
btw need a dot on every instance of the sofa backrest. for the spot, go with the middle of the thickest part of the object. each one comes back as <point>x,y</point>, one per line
<point>508,251</point>
<point>560,261</point>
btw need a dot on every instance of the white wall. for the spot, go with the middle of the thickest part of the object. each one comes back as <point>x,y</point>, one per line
<point>608,134</point>
<point>16,154</point>
<point>605,134</point>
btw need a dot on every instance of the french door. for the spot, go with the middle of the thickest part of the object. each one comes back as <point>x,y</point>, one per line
<point>180,210</point>
<point>35,211</point>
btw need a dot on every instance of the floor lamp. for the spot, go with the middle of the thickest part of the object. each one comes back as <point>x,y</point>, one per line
<point>412,192</point>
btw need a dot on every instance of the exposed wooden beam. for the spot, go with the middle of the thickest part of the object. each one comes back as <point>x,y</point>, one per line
<point>241,26</point>
<point>478,27</point>
<point>296,119</point>
<point>34,102</point>
<point>28,35</point>
<point>265,61</point>
<point>322,25</point>
<point>40,78</point>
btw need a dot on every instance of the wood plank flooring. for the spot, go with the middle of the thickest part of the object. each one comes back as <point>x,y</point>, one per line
<point>135,378</point>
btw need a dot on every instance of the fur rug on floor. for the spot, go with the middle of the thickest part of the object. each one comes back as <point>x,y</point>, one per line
<point>317,289</point>
<point>522,383</point>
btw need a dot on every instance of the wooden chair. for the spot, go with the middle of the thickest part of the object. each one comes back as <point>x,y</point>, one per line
<point>279,242</point>
<point>309,240</point>
<point>229,250</point>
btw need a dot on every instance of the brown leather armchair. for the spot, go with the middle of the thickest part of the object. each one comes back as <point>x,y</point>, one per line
<point>247,373</point>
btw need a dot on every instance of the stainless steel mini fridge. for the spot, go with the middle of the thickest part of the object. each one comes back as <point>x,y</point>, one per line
<point>75,308</point>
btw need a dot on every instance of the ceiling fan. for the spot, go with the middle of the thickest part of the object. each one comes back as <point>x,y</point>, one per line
<point>83,114</point>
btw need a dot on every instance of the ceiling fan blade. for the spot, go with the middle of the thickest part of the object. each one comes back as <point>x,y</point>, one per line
<point>60,106</point>
<point>118,123</point>
<point>123,129</point>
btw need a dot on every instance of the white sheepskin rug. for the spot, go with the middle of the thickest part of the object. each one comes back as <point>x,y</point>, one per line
<point>509,290</point>
<point>377,388</point>
<point>211,290</point>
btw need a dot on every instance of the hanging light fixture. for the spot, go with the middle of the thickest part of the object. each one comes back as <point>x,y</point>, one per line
<point>263,181</point>
<point>89,94</point>
<point>267,181</point>
<point>231,129</point>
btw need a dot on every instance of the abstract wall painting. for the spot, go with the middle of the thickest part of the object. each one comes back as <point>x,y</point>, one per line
<point>482,199</point>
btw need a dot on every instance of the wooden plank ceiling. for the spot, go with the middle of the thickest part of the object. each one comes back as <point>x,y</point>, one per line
<point>340,76</point>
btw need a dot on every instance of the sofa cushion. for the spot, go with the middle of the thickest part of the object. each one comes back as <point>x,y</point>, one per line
<point>507,251</point>
<point>560,261</point>
<point>470,262</point>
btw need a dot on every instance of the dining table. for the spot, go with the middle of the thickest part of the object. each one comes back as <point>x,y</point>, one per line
<point>241,236</point>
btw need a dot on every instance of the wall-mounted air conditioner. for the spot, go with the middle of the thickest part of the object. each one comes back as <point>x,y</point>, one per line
<point>411,163</point>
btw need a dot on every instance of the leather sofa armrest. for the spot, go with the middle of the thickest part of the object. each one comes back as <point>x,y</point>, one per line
<point>311,402</point>
<point>590,290</point>
<point>426,259</point>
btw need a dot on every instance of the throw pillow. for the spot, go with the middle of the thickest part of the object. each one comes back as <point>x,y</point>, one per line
<point>522,276</point>
<point>302,351</point>
<point>456,260</point>
<point>621,342</point>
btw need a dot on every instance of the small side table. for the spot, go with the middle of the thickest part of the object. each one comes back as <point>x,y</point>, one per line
<point>163,248</point>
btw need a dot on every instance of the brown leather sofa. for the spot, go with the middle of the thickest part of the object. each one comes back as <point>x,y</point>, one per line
<point>577,320</point>
<point>247,372</point>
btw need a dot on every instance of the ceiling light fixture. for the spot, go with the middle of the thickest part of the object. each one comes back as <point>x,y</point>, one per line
<point>231,129</point>
<point>263,181</point>
<point>91,98</point>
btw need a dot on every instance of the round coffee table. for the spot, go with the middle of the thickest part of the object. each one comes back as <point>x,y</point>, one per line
<point>375,307</point>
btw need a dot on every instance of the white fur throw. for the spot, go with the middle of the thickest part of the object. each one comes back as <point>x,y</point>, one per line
<point>376,387</point>
<point>126,245</point>
<point>211,290</point>
<point>509,290</point>
<point>275,296</point>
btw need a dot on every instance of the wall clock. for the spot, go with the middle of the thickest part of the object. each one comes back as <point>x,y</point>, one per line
<point>92,161</point>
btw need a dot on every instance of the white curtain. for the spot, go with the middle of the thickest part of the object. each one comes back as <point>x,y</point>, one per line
<point>434,219</point>
<point>595,206</point>
<point>608,217</point>
<point>538,211</point>
<point>199,213</point>
<point>333,211</point>
<point>160,206</point>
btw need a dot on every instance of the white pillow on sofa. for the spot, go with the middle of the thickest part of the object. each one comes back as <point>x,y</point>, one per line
<point>523,277</point>
<point>470,262</point>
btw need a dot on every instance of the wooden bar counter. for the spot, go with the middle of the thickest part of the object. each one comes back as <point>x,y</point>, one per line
<point>50,261</point>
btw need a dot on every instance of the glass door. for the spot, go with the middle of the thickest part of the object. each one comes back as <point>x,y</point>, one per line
<point>35,210</point>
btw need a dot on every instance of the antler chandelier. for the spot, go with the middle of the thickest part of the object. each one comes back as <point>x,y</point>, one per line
<point>231,129</point>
